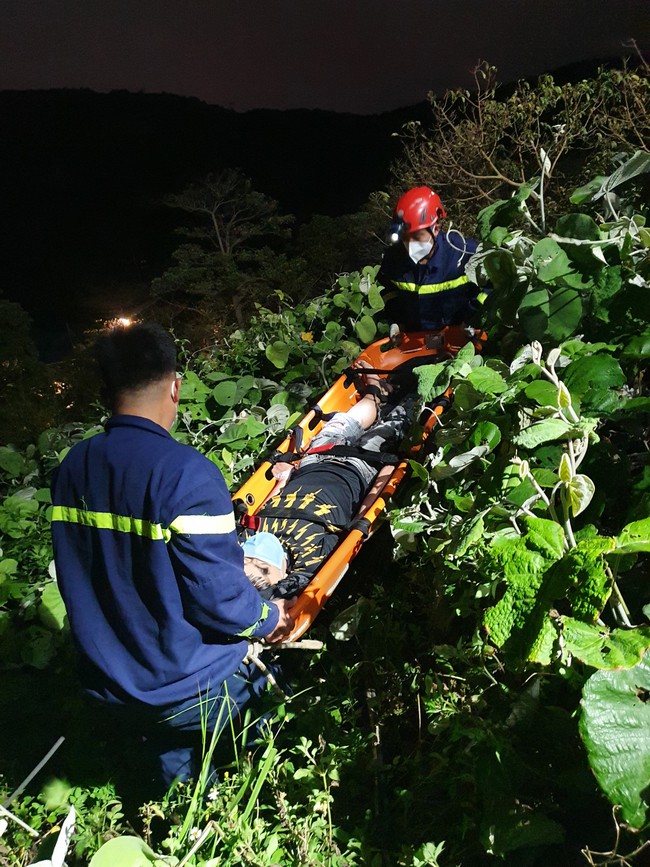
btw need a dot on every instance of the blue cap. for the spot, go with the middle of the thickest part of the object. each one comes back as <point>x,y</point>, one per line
<point>266,547</point>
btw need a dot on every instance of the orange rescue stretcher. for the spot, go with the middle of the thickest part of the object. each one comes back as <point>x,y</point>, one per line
<point>407,350</point>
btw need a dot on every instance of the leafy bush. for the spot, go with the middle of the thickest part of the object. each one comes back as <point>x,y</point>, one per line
<point>466,720</point>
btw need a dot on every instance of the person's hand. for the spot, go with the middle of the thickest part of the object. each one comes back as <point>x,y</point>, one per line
<point>282,470</point>
<point>285,621</point>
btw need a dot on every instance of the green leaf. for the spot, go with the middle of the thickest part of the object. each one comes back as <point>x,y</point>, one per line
<point>638,347</point>
<point>277,353</point>
<point>543,431</point>
<point>51,610</point>
<point>565,313</point>
<point>581,492</point>
<point>635,537</point>
<point>127,852</point>
<point>254,427</point>
<point>591,371</point>
<point>581,577</point>
<point>602,649</point>
<point>233,433</point>
<point>225,393</point>
<point>533,313</point>
<point>542,392</point>
<point>501,269</point>
<point>419,471</point>
<point>588,192</point>
<point>487,381</point>
<point>550,260</point>
<point>9,567</point>
<point>502,213</point>
<point>639,163</point>
<point>579,226</point>
<point>11,462</point>
<point>486,433</point>
<point>366,329</point>
<point>244,385</point>
<point>518,619</point>
<point>545,536</point>
<point>565,473</point>
<point>471,532</point>
<point>615,729</point>
<point>375,301</point>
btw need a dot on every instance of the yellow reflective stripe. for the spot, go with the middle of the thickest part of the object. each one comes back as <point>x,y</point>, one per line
<point>481,297</point>
<point>203,525</point>
<point>109,521</point>
<point>431,288</point>
<point>197,525</point>
<point>251,629</point>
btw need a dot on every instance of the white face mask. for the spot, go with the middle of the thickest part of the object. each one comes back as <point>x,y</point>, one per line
<point>419,249</point>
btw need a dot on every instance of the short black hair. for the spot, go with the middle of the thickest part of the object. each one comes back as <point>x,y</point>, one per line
<point>133,356</point>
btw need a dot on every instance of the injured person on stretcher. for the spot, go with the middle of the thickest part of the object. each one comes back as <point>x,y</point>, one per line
<point>316,498</point>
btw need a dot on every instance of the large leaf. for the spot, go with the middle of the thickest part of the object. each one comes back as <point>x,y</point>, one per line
<point>593,371</point>
<point>602,649</point>
<point>638,164</point>
<point>635,537</point>
<point>615,728</point>
<point>565,313</point>
<point>581,576</point>
<point>501,269</point>
<point>128,852</point>
<point>487,381</point>
<point>375,301</point>
<point>589,191</point>
<point>225,393</point>
<point>580,226</point>
<point>533,313</point>
<point>543,392</point>
<point>11,461</point>
<point>638,347</point>
<point>51,610</point>
<point>277,353</point>
<point>544,431</point>
<point>581,491</point>
<point>519,618</point>
<point>551,261</point>
<point>502,213</point>
<point>366,329</point>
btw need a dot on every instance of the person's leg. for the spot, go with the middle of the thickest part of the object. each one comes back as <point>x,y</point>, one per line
<point>177,737</point>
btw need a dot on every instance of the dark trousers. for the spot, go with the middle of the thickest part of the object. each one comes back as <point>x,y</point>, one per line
<point>173,735</point>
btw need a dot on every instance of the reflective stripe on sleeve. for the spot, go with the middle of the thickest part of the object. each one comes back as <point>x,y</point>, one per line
<point>190,525</point>
<point>432,288</point>
<point>109,521</point>
<point>251,629</point>
<point>203,525</point>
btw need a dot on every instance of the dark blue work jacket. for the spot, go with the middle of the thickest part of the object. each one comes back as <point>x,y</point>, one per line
<point>149,567</point>
<point>434,294</point>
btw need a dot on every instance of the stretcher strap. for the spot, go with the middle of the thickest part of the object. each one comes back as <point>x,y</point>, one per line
<point>375,459</point>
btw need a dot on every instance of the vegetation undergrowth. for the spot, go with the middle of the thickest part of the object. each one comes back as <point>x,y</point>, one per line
<point>482,696</point>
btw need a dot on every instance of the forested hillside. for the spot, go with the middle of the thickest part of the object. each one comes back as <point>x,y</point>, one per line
<point>481,696</point>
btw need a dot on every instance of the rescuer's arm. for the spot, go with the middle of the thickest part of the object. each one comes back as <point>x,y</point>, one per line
<point>208,562</point>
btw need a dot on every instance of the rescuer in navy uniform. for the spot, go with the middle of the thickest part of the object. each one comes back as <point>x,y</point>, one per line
<point>423,272</point>
<point>148,562</point>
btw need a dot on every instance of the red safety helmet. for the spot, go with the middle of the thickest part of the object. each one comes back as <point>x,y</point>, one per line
<point>419,208</point>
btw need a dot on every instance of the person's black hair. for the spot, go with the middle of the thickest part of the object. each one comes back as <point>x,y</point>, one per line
<point>131,357</point>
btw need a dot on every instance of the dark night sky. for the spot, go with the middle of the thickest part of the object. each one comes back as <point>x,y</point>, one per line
<point>361,56</point>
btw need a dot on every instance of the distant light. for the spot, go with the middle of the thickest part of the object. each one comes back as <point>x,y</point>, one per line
<point>124,321</point>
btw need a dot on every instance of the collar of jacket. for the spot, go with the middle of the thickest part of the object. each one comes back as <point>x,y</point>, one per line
<point>137,421</point>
